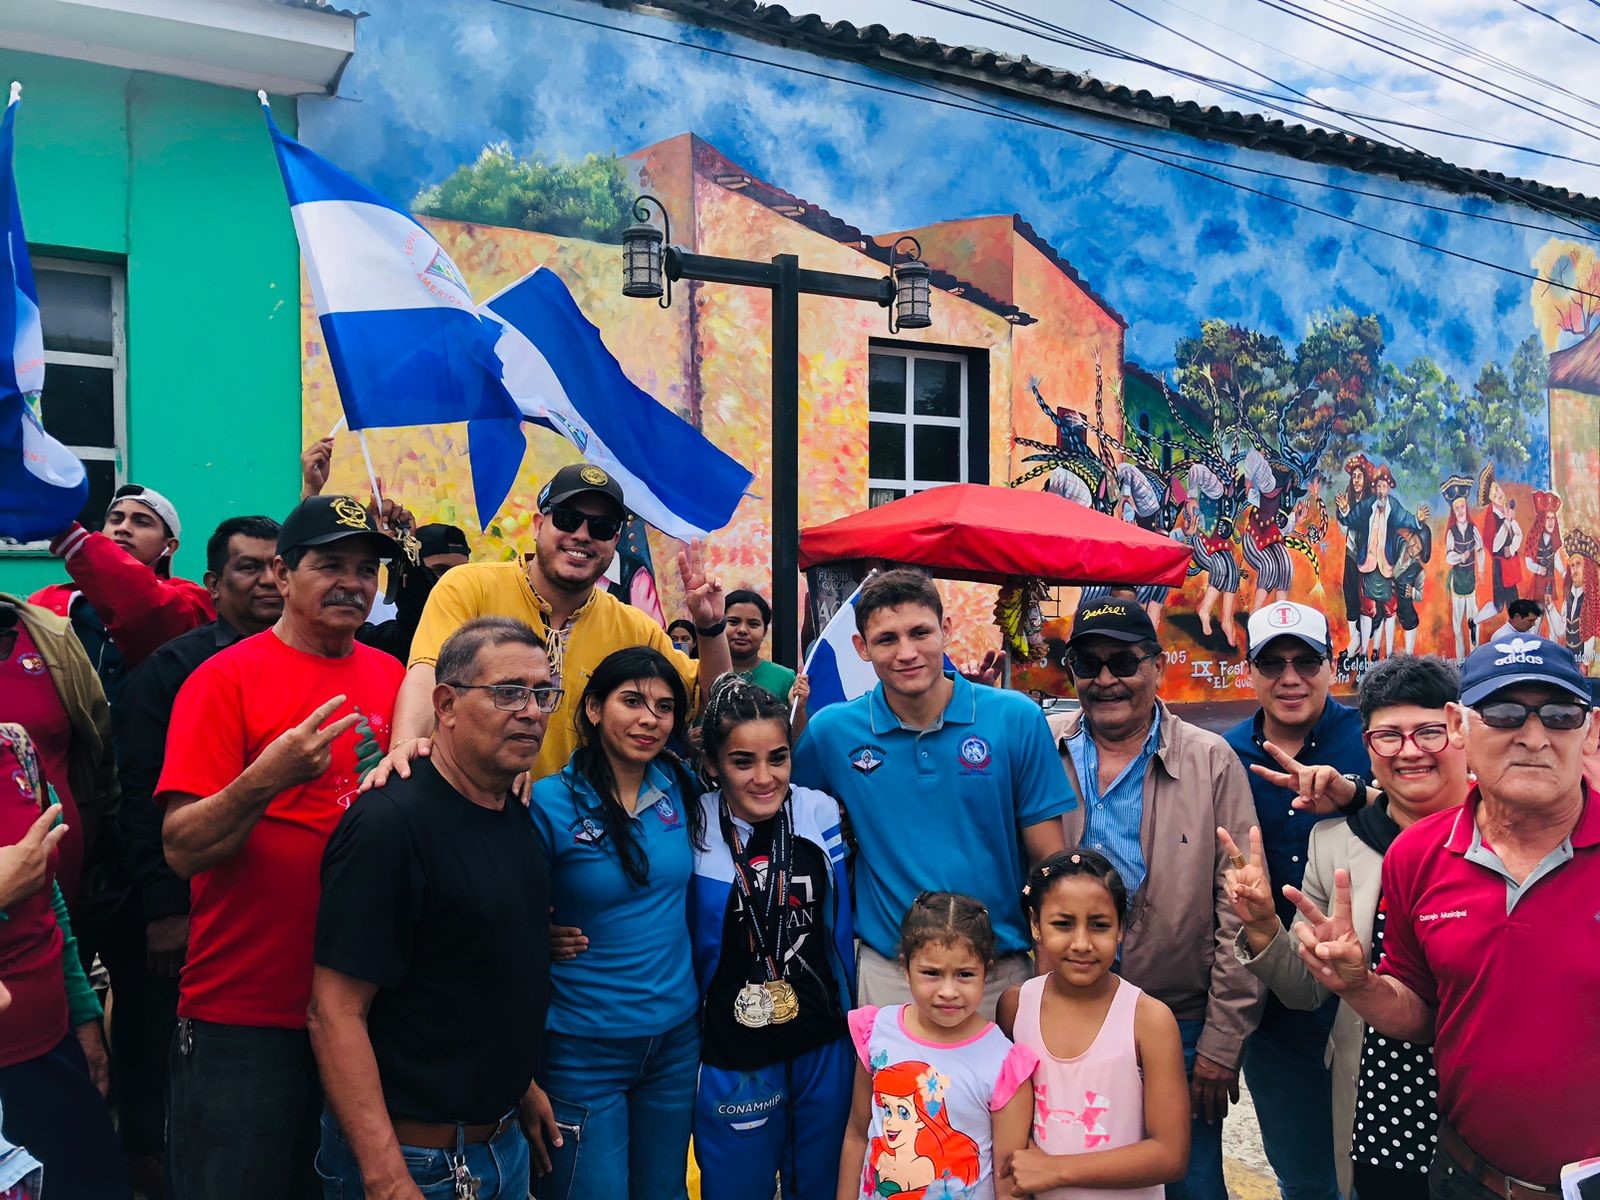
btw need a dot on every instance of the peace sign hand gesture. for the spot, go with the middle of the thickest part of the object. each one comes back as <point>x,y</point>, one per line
<point>302,752</point>
<point>1249,889</point>
<point>1329,945</point>
<point>702,591</point>
<point>1320,789</point>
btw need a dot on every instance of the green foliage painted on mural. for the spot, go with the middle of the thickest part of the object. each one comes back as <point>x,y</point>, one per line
<point>589,199</point>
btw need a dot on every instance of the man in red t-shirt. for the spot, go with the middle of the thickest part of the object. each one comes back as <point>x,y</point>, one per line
<point>1492,948</point>
<point>268,742</point>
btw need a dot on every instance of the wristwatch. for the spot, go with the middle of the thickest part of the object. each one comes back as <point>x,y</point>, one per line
<point>1359,801</point>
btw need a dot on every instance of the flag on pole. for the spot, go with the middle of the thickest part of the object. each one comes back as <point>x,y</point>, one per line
<point>43,485</point>
<point>836,671</point>
<point>560,375</point>
<point>407,344</point>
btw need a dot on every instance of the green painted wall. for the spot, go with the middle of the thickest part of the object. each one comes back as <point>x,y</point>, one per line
<point>177,181</point>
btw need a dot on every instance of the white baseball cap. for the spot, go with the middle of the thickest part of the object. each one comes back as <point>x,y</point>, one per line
<point>154,501</point>
<point>1285,618</point>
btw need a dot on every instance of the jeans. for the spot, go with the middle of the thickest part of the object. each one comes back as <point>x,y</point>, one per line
<point>1203,1180</point>
<point>624,1107</point>
<point>1387,1183</point>
<point>500,1166</point>
<point>245,1103</point>
<point>51,1108</point>
<point>1293,1093</point>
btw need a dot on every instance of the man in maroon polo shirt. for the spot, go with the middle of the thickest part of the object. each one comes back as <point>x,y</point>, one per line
<point>1492,945</point>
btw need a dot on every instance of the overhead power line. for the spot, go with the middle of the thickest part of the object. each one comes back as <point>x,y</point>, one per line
<point>1135,149</point>
<point>1539,12</point>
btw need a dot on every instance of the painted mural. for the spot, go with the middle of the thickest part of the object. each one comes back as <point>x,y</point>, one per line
<point>1402,438</point>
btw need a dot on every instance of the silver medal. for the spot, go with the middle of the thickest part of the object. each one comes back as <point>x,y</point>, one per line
<point>753,1006</point>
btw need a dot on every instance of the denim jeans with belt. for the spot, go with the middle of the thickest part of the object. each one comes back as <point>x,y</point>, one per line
<point>1203,1181</point>
<point>625,1107</point>
<point>500,1165</point>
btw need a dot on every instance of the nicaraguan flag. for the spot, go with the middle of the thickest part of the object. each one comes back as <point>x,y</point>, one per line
<point>836,671</point>
<point>561,376</point>
<point>406,342</point>
<point>43,486</point>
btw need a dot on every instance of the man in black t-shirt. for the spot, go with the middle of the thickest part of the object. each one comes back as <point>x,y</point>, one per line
<point>432,946</point>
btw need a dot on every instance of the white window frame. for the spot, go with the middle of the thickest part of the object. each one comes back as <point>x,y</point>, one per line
<point>911,484</point>
<point>117,362</point>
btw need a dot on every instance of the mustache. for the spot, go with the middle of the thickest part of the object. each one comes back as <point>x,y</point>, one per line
<point>344,600</point>
<point>1107,693</point>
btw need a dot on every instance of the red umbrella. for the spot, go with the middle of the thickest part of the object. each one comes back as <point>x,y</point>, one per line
<point>995,534</point>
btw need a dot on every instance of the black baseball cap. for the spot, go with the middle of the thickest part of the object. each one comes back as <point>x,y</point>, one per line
<point>323,519</point>
<point>577,479</point>
<point>442,539</point>
<point>1119,620</point>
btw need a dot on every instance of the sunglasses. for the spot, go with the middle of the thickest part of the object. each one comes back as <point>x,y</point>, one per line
<point>1387,743</point>
<point>570,520</point>
<point>1123,664</point>
<point>1305,665</point>
<point>1510,714</point>
<point>513,697</point>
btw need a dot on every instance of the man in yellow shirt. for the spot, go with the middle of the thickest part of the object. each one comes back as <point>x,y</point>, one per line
<point>581,511</point>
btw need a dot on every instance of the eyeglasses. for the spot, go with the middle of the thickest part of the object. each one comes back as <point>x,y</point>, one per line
<point>1511,714</point>
<point>1305,665</point>
<point>1122,664</point>
<point>570,520</point>
<point>512,697</point>
<point>1387,743</point>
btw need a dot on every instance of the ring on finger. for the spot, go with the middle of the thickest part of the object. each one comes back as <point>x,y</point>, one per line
<point>1239,861</point>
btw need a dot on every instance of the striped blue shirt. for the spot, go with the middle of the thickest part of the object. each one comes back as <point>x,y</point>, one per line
<point>1111,820</point>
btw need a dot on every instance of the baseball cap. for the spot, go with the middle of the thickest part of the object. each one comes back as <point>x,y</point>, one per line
<point>1285,618</point>
<point>1119,620</point>
<point>442,539</point>
<point>322,519</point>
<point>576,479</point>
<point>1521,658</point>
<point>154,501</point>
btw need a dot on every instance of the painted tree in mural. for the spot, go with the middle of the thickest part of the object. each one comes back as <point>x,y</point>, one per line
<point>590,199</point>
<point>1336,369</point>
<point>1566,299</point>
<point>1239,376</point>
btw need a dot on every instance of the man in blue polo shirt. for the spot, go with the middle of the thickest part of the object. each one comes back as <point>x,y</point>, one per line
<point>1283,1060</point>
<point>946,785</point>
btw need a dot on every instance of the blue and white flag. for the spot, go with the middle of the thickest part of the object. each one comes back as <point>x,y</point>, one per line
<point>43,485</point>
<point>561,376</point>
<point>837,673</point>
<point>405,339</point>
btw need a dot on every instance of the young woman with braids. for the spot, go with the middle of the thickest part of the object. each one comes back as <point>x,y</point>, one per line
<point>620,825</point>
<point>769,907</point>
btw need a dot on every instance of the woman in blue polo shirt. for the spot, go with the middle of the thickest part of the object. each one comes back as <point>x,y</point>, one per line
<point>619,826</point>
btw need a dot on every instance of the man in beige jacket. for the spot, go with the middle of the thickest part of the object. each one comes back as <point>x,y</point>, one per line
<point>1417,771</point>
<point>1153,790</point>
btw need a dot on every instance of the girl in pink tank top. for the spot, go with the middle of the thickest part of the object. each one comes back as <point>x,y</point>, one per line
<point>1110,1098</point>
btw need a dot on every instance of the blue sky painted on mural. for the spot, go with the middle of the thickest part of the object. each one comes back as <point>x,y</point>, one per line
<point>434,81</point>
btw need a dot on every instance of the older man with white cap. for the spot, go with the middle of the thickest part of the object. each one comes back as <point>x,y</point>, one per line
<point>1289,651</point>
<point>123,601</point>
<point>1491,949</point>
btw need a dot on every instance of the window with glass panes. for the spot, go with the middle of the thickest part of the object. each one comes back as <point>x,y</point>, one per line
<point>80,307</point>
<point>917,438</point>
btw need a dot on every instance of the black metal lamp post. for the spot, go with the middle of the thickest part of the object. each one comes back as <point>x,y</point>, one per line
<point>650,266</point>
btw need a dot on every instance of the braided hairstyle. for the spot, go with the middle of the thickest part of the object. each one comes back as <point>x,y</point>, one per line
<point>733,701</point>
<point>617,670</point>
<point>950,919</point>
<point>1087,864</point>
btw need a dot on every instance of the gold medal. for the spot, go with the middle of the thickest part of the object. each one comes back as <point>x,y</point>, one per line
<point>785,1004</point>
<point>753,1006</point>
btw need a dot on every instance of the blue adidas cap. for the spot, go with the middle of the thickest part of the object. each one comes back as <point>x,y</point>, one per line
<point>1515,658</point>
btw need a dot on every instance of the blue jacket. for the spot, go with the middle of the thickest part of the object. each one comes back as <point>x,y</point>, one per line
<point>816,819</point>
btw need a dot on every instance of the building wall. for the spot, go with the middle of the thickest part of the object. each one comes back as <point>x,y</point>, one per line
<point>176,181</point>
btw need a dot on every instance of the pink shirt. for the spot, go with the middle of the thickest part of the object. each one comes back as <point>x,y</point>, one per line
<point>1092,1102</point>
<point>932,1135</point>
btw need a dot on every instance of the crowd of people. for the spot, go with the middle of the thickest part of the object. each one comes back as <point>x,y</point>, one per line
<point>490,886</point>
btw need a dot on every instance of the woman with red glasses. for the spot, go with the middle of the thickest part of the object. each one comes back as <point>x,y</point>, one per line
<point>1383,1110</point>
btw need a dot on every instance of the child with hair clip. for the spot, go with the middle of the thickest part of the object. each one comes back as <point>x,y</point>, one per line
<point>769,914</point>
<point>941,1096</point>
<point>1110,1098</point>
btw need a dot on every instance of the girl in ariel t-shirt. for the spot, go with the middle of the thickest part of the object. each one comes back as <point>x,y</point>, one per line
<point>941,1094</point>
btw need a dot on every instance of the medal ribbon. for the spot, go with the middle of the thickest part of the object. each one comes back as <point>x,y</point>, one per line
<point>773,916</point>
